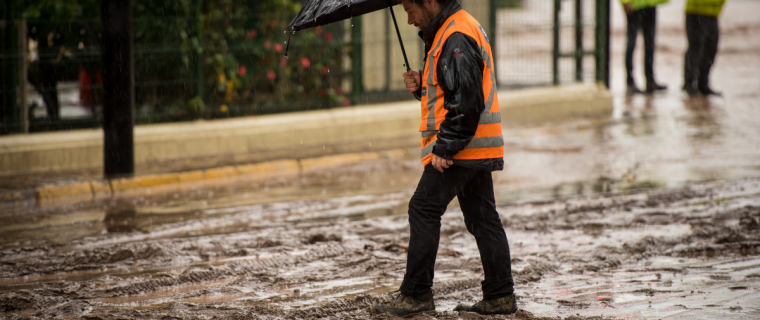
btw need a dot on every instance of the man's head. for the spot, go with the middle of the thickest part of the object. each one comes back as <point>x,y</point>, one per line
<point>421,12</point>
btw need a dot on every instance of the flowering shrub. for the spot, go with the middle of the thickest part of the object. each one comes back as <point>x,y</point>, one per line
<point>241,45</point>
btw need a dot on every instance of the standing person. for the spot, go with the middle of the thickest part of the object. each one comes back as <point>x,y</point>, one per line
<point>642,14</point>
<point>462,144</point>
<point>702,32</point>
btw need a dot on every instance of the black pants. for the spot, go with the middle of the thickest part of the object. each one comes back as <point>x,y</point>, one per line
<point>646,20</point>
<point>702,32</point>
<point>474,189</point>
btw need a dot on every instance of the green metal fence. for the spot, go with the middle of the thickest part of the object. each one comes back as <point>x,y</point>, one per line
<point>210,59</point>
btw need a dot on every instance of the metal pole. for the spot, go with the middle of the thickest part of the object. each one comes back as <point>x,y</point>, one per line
<point>10,65</point>
<point>387,33</point>
<point>607,19</point>
<point>578,40</point>
<point>555,51</point>
<point>118,88</point>
<point>22,66</point>
<point>602,42</point>
<point>357,83</point>
<point>199,50</point>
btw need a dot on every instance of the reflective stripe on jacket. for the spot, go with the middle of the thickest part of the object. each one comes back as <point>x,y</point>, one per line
<point>710,8</point>
<point>641,4</point>
<point>488,142</point>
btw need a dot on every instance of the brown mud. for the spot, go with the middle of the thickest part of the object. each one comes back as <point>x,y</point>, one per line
<point>679,252</point>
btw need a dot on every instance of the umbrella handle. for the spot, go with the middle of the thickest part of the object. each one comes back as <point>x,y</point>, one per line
<point>390,7</point>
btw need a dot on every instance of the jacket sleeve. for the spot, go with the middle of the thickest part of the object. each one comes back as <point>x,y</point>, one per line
<point>460,75</point>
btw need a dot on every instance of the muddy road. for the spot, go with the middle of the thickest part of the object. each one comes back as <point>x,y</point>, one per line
<point>689,252</point>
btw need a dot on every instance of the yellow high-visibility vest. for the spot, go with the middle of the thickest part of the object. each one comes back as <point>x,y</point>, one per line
<point>488,142</point>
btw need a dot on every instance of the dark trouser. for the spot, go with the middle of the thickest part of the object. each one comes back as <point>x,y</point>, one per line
<point>474,189</point>
<point>646,20</point>
<point>702,32</point>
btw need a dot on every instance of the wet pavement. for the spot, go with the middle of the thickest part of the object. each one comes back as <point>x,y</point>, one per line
<point>653,213</point>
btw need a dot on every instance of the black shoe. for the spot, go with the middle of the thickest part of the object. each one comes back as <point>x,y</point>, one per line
<point>503,305</point>
<point>652,87</point>
<point>707,91</point>
<point>405,305</point>
<point>632,89</point>
<point>690,90</point>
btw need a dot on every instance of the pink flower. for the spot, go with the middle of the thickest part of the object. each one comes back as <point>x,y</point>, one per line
<point>241,70</point>
<point>271,75</point>
<point>318,30</point>
<point>328,36</point>
<point>305,62</point>
<point>277,47</point>
<point>267,44</point>
<point>346,102</point>
<point>325,69</point>
<point>251,34</point>
<point>273,23</point>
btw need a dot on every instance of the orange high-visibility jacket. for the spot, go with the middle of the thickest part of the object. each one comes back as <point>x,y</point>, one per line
<point>488,141</point>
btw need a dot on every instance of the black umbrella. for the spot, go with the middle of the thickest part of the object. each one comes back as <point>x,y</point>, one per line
<point>321,12</point>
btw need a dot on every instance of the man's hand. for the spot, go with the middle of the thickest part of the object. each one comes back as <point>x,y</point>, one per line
<point>412,81</point>
<point>441,163</point>
<point>628,7</point>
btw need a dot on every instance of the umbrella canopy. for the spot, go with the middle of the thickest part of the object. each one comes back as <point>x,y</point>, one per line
<point>321,12</point>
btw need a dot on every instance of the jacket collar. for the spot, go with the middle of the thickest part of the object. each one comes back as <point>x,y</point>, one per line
<point>428,33</point>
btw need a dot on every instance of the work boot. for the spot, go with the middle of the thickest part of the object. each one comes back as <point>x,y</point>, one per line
<point>503,305</point>
<point>708,91</point>
<point>690,90</point>
<point>632,89</point>
<point>406,305</point>
<point>652,87</point>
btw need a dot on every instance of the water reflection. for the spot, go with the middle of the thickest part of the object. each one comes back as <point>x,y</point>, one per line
<point>120,217</point>
<point>702,118</point>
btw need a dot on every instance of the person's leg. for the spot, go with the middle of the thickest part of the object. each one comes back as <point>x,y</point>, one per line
<point>711,36</point>
<point>482,221</point>
<point>632,31</point>
<point>649,28</point>
<point>433,194</point>
<point>693,56</point>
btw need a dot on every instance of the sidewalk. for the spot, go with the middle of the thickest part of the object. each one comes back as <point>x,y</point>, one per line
<point>48,166</point>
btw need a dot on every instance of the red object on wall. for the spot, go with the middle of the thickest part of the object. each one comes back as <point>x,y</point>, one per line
<point>85,87</point>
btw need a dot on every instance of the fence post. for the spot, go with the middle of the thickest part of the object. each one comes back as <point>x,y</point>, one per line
<point>555,51</point>
<point>118,88</point>
<point>602,42</point>
<point>578,40</point>
<point>357,85</point>
<point>22,67</point>
<point>10,66</point>
<point>199,50</point>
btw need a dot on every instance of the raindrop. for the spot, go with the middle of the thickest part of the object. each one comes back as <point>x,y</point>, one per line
<point>352,25</point>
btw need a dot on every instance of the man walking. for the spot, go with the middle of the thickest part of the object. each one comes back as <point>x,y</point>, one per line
<point>462,144</point>
<point>642,14</point>
<point>702,32</point>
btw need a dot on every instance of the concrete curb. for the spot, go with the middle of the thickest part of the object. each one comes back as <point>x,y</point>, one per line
<point>182,146</point>
<point>160,183</point>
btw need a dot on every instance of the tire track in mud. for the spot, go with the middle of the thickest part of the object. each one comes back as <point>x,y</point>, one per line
<point>235,269</point>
